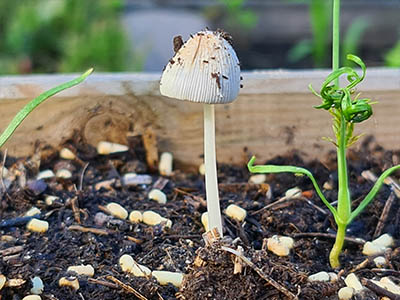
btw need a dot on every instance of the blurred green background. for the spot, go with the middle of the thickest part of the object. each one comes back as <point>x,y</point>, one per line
<point>47,36</point>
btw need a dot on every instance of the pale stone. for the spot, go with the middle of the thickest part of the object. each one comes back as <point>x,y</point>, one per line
<point>37,285</point>
<point>258,178</point>
<point>117,210</point>
<point>32,212</point>
<point>165,164</point>
<point>128,264</point>
<point>136,179</point>
<point>32,297</point>
<point>373,249</point>
<point>202,169</point>
<point>36,225</point>
<point>276,246</point>
<point>320,276</point>
<point>67,154</point>
<point>64,174</point>
<point>3,280</point>
<point>332,276</point>
<point>49,200</point>
<point>45,174</point>
<point>236,212</point>
<point>86,270</point>
<point>166,277</point>
<point>288,241</point>
<point>327,186</point>
<point>293,192</point>
<point>352,281</point>
<point>69,282</point>
<point>204,220</point>
<point>157,195</point>
<point>105,148</point>
<point>385,240</point>
<point>135,216</point>
<point>380,261</point>
<point>346,293</point>
<point>388,284</point>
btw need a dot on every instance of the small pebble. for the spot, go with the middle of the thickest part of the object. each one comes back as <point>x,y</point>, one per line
<point>352,281</point>
<point>166,277</point>
<point>105,148</point>
<point>49,200</point>
<point>345,293</point>
<point>332,276</point>
<point>45,174</point>
<point>37,285</point>
<point>117,210</point>
<point>236,212</point>
<point>5,171</point>
<point>157,195</point>
<point>202,169</point>
<point>204,221</point>
<point>64,174</point>
<point>100,219</point>
<point>3,280</point>
<point>136,179</point>
<point>370,249</point>
<point>128,264</point>
<point>7,238</point>
<point>36,225</point>
<point>276,246</point>
<point>86,270</point>
<point>380,261</point>
<point>293,192</point>
<point>32,297</point>
<point>320,276</point>
<point>385,240</point>
<point>33,211</point>
<point>71,282</point>
<point>288,241</point>
<point>165,165</point>
<point>152,218</point>
<point>327,186</point>
<point>258,178</point>
<point>135,216</point>
<point>67,154</point>
<point>37,186</point>
<point>388,284</point>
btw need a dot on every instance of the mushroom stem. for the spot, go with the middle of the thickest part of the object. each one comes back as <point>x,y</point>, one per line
<point>214,212</point>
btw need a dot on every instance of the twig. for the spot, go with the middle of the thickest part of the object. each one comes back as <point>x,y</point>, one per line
<point>82,175</point>
<point>11,250</point>
<point>379,290</point>
<point>358,241</point>
<point>104,283</point>
<point>384,215</point>
<point>126,287</point>
<point>75,209</point>
<point>264,276</point>
<point>88,229</point>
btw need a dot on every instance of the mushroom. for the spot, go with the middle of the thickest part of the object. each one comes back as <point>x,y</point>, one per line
<point>205,70</point>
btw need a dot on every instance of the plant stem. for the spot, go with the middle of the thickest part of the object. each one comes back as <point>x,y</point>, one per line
<point>213,209</point>
<point>337,247</point>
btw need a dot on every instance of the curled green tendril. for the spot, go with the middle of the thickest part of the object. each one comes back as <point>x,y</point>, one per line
<point>354,110</point>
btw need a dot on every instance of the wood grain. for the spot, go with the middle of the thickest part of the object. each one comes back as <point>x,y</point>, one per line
<point>273,114</point>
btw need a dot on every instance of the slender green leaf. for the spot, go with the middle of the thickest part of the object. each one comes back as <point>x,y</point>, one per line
<point>23,113</point>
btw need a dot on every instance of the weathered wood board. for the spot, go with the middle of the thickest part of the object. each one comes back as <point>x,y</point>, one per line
<point>273,114</point>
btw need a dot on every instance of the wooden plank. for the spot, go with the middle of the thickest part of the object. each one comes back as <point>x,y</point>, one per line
<point>273,114</point>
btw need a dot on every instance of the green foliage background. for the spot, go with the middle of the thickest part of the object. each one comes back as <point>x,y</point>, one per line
<point>63,36</point>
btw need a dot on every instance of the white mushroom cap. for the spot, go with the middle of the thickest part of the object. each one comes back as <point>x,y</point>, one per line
<point>205,69</point>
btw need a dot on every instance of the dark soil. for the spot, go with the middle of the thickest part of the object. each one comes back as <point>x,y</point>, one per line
<point>181,248</point>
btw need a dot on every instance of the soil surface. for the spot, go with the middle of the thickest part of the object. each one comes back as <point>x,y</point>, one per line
<point>81,232</point>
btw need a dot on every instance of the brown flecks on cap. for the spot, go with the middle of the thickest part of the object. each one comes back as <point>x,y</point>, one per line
<point>179,60</point>
<point>200,33</point>
<point>205,61</point>
<point>178,42</point>
<point>171,61</point>
<point>225,77</point>
<point>191,35</point>
<point>241,78</point>
<point>226,36</point>
<point>241,86</point>
<point>217,48</point>
<point>217,79</point>
<point>212,57</point>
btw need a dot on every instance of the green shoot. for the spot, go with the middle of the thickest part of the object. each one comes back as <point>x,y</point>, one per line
<point>347,110</point>
<point>24,112</point>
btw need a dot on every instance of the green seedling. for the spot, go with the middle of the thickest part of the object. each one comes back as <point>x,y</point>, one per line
<point>347,109</point>
<point>23,113</point>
